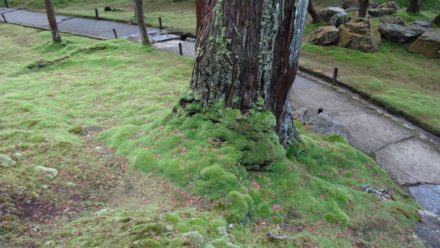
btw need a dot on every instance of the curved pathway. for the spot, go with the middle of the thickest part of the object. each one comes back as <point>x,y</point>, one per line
<point>410,155</point>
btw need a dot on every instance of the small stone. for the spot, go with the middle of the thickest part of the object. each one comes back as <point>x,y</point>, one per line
<point>35,195</point>
<point>49,173</point>
<point>387,8</point>
<point>6,161</point>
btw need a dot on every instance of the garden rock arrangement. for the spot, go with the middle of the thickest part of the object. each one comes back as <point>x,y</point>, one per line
<point>392,20</point>
<point>360,35</point>
<point>387,8</point>
<point>325,36</point>
<point>428,44</point>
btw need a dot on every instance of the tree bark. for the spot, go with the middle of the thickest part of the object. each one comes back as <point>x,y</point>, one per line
<point>247,55</point>
<point>414,6</point>
<point>141,21</point>
<point>52,21</point>
<point>312,12</point>
<point>363,8</point>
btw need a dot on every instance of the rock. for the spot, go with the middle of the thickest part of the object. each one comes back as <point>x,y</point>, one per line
<point>437,20</point>
<point>428,44</point>
<point>108,8</point>
<point>421,24</point>
<point>302,114</point>
<point>381,194</point>
<point>325,125</point>
<point>350,4</point>
<point>359,34</point>
<point>324,36</point>
<point>428,196</point>
<point>429,229</point>
<point>274,237</point>
<point>339,19</point>
<point>6,161</point>
<point>398,33</point>
<point>326,14</point>
<point>49,173</point>
<point>387,8</point>
<point>392,20</point>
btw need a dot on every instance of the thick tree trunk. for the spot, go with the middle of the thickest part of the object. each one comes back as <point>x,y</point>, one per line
<point>247,54</point>
<point>312,12</point>
<point>414,6</point>
<point>141,21</point>
<point>363,8</point>
<point>52,21</point>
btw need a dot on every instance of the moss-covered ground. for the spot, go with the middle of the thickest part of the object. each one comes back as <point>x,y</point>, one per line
<point>134,173</point>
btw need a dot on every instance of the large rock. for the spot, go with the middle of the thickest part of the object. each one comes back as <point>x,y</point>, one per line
<point>6,161</point>
<point>325,125</point>
<point>325,36</point>
<point>387,8</point>
<point>392,19</point>
<point>339,19</point>
<point>326,14</point>
<point>398,33</point>
<point>437,20</point>
<point>428,44</point>
<point>360,35</point>
<point>303,114</point>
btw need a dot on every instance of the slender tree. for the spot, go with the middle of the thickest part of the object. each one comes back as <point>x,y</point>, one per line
<point>414,6</point>
<point>312,12</point>
<point>141,21</point>
<point>56,37</point>
<point>247,55</point>
<point>363,8</point>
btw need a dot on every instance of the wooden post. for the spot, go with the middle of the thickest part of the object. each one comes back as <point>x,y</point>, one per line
<point>52,21</point>
<point>4,18</point>
<point>96,14</point>
<point>6,4</point>
<point>115,33</point>
<point>180,49</point>
<point>335,75</point>
<point>160,23</point>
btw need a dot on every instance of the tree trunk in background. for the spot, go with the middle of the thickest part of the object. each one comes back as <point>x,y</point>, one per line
<point>363,8</point>
<point>312,12</point>
<point>414,6</point>
<point>52,21</point>
<point>247,53</point>
<point>141,21</point>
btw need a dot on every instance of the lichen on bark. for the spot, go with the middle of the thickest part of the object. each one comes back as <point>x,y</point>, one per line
<point>247,51</point>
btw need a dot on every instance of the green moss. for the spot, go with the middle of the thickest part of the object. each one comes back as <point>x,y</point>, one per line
<point>240,207</point>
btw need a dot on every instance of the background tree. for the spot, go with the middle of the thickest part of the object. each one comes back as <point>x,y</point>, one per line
<point>139,6</point>
<point>247,56</point>
<point>52,21</point>
<point>312,12</point>
<point>414,6</point>
<point>363,8</point>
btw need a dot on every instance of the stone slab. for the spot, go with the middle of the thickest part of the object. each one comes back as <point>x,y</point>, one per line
<point>411,162</point>
<point>428,196</point>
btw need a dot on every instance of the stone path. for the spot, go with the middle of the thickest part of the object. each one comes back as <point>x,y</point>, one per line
<point>410,155</point>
